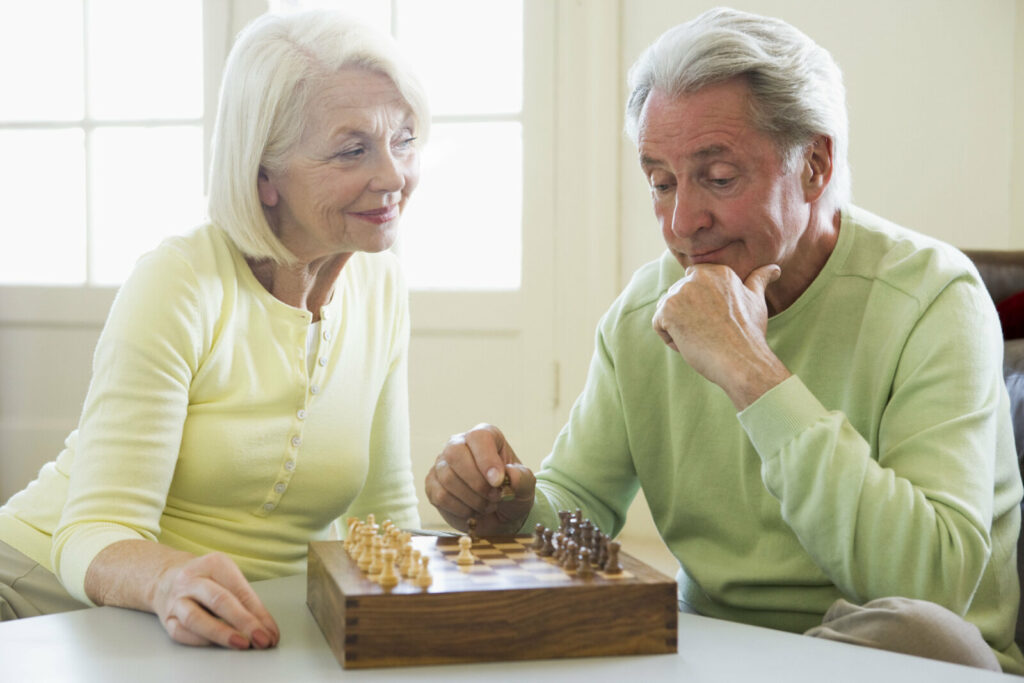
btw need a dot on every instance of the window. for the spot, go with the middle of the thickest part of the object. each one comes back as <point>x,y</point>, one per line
<point>101,133</point>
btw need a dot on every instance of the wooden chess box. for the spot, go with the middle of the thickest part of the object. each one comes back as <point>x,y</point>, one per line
<point>510,604</point>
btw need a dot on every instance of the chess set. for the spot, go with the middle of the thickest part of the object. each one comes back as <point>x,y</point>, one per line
<point>384,597</point>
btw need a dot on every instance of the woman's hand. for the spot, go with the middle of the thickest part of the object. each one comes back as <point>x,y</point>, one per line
<point>199,600</point>
<point>208,600</point>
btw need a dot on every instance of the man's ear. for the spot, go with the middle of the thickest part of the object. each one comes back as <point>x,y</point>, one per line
<point>817,170</point>
<point>266,189</point>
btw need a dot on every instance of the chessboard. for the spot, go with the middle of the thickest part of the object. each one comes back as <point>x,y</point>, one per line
<point>509,603</point>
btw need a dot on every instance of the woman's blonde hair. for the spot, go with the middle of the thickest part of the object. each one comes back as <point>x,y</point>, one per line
<point>273,69</point>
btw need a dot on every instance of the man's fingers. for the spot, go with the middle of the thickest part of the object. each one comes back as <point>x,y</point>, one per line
<point>522,481</point>
<point>490,452</point>
<point>760,278</point>
<point>453,493</point>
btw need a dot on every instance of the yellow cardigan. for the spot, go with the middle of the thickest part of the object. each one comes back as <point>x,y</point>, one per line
<point>204,429</point>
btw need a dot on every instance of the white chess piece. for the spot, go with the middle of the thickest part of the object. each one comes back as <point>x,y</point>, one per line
<point>466,556</point>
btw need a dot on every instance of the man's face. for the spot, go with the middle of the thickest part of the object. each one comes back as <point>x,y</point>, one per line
<point>720,188</point>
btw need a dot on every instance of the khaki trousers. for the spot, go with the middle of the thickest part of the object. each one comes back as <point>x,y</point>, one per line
<point>28,589</point>
<point>911,627</point>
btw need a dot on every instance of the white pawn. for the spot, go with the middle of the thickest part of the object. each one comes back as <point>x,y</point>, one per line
<point>364,551</point>
<point>388,578</point>
<point>423,577</point>
<point>414,564</point>
<point>377,563</point>
<point>466,556</point>
<point>406,555</point>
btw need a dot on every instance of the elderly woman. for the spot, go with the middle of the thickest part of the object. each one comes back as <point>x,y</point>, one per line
<point>249,387</point>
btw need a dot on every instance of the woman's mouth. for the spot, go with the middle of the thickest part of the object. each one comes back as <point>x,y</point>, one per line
<point>385,214</point>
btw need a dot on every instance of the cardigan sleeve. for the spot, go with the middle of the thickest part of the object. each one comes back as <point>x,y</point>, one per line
<point>131,426</point>
<point>927,491</point>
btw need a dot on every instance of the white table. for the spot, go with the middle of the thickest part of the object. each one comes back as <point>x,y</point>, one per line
<point>109,645</point>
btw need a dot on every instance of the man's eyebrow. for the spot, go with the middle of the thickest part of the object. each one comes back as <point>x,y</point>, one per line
<point>648,161</point>
<point>710,151</point>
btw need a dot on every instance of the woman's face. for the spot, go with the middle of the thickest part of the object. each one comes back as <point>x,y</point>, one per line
<point>345,183</point>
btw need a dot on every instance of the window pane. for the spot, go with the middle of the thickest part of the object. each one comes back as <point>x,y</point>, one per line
<point>462,227</point>
<point>468,53</point>
<point>42,183</point>
<point>146,185</point>
<point>41,54</point>
<point>145,59</point>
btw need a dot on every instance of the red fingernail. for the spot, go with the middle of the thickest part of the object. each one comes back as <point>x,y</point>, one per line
<point>261,639</point>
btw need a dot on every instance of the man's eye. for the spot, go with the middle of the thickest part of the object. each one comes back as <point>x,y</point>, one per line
<point>660,186</point>
<point>720,182</point>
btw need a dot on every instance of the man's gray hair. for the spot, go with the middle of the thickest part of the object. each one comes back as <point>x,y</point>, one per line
<point>797,89</point>
<point>277,64</point>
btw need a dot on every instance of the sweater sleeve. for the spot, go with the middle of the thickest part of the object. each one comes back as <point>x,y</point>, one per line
<point>590,466</point>
<point>389,491</point>
<point>131,426</point>
<point>911,515</point>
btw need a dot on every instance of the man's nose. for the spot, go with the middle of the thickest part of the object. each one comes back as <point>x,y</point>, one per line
<point>689,214</point>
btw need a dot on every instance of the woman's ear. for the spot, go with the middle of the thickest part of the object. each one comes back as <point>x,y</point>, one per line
<point>817,168</point>
<point>266,189</point>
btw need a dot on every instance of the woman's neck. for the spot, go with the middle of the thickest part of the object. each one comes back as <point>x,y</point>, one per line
<point>304,285</point>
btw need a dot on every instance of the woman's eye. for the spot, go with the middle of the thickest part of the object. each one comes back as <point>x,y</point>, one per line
<point>405,142</point>
<point>353,153</point>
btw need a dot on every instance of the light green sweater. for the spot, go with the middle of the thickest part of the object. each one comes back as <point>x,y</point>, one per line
<point>884,467</point>
<point>204,429</point>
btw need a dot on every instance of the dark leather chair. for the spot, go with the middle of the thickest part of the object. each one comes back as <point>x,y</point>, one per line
<point>1003,274</point>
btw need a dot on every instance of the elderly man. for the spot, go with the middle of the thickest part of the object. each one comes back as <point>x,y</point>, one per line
<point>818,417</point>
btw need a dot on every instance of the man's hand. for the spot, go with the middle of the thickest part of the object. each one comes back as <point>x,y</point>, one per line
<point>717,324</point>
<point>466,478</point>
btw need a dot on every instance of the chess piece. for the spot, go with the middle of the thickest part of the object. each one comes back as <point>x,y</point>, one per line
<point>560,541</point>
<point>465,554</point>
<point>406,559</point>
<point>350,537</point>
<point>507,493</point>
<point>611,566</point>
<point>388,577</point>
<point>366,548</point>
<point>471,524</point>
<point>377,563</point>
<point>538,533</point>
<point>549,548</point>
<point>423,577</point>
<point>600,554</point>
<point>414,564</point>
<point>563,516</point>
<point>584,568</point>
<point>569,561</point>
